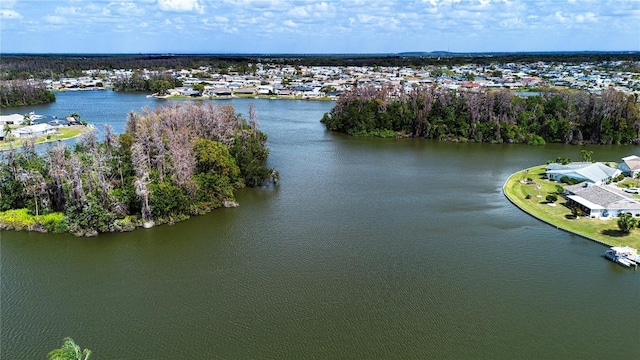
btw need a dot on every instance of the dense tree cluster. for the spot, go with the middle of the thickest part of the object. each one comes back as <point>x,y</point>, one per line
<point>139,82</point>
<point>23,92</point>
<point>170,163</point>
<point>573,117</point>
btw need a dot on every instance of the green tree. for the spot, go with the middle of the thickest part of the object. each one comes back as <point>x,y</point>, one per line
<point>26,120</point>
<point>69,351</point>
<point>160,87</point>
<point>585,155</point>
<point>213,156</point>
<point>626,222</point>
<point>199,88</point>
<point>7,132</point>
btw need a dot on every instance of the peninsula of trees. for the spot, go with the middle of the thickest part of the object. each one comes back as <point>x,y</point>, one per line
<point>170,163</point>
<point>23,92</point>
<point>572,117</point>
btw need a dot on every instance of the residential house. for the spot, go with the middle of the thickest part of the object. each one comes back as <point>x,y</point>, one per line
<point>594,173</point>
<point>598,201</point>
<point>630,166</point>
<point>34,131</point>
<point>13,119</point>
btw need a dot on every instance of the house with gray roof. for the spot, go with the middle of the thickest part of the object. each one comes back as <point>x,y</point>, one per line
<point>594,173</point>
<point>630,166</point>
<point>599,201</point>
<point>34,131</point>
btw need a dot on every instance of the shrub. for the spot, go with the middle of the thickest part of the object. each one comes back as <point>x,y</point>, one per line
<point>128,223</point>
<point>552,198</point>
<point>17,219</point>
<point>54,222</point>
<point>535,140</point>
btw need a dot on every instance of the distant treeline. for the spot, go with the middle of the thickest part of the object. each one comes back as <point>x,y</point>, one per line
<point>572,117</point>
<point>45,66</point>
<point>23,92</point>
<point>170,163</point>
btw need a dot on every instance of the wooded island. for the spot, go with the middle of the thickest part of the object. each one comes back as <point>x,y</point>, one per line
<point>170,163</point>
<point>495,116</point>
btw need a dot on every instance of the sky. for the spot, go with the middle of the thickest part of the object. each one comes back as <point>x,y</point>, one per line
<point>317,27</point>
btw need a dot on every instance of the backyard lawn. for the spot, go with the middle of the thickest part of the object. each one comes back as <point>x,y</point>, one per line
<point>560,215</point>
<point>64,133</point>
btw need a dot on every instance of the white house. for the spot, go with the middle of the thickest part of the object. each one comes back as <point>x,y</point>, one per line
<point>34,131</point>
<point>630,166</point>
<point>595,173</point>
<point>13,119</point>
<point>598,201</point>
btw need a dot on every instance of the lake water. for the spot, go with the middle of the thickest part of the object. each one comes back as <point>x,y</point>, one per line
<point>367,249</point>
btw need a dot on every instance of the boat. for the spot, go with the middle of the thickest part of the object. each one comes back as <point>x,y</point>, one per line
<point>34,116</point>
<point>623,255</point>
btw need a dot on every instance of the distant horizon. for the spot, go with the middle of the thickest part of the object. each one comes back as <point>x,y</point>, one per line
<point>318,27</point>
<point>406,53</point>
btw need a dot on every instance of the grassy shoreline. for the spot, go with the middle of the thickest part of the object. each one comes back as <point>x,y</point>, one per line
<point>605,232</point>
<point>64,133</point>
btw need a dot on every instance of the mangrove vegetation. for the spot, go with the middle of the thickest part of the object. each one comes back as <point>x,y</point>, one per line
<point>170,163</point>
<point>572,117</point>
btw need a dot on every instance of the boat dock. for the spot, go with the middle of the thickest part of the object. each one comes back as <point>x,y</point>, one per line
<point>625,256</point>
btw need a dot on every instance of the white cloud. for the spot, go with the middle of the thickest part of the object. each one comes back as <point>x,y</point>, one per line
<point>66,10</point>
<point>10,14</point>
<point>290,23</point>
<point>586,17</point>
<point>561,18</point>
<point>181,5</point>
<point>298,11</point>
<point>127,8</point>
<point>55,19</point>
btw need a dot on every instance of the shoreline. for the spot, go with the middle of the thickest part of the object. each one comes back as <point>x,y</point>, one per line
<point>538,208</point>
<point>41,140</point>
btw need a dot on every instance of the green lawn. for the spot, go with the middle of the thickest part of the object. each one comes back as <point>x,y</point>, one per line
<point>606,231</point>
<point>64,133</point>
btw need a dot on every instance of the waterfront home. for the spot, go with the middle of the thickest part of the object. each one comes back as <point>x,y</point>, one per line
<point>598,201</point>
<point>218,91</point>
<point>594,173</point>
<point>245,91</point>
<point>13,119</point>
<point>630,166</point>
<point>34,131</point>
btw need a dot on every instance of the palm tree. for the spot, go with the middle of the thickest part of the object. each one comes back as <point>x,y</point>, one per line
<point>69,351</point>
<point>26,120</point>
<point>7,132</point>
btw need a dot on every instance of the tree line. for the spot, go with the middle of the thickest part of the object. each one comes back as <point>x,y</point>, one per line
<point>170,163</point>
<point>572,117</point>
<point>23,92</point>
<point>47,66</point>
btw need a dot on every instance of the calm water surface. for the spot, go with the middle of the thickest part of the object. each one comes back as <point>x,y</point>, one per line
<point>367,249</point>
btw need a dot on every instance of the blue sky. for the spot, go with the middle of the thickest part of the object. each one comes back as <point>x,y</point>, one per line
<point>330,26</point>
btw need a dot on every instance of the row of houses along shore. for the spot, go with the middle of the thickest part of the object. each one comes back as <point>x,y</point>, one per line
<point>329,81</point>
